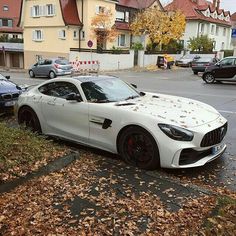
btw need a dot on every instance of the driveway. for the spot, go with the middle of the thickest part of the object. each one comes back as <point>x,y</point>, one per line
<point>182,82</point>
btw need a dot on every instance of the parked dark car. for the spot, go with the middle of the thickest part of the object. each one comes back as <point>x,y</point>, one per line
<point>187,60</point>
<point>50,68</point>
<point>224,70</point>
<point>9,93</point>
<point>202,63</point>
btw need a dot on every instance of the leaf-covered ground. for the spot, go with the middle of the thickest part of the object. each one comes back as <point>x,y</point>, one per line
<point>22,152</point>
<point>98,195</point>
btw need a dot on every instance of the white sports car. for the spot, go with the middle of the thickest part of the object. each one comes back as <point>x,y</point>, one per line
<point>147,129</point>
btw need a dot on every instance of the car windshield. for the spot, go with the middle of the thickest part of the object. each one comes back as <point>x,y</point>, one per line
<point>204,59</point>
<point>108,90</point>
<point>62,62</point>
<point>189,56</point>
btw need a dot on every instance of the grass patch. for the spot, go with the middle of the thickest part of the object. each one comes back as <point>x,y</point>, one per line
<point>22,152</point>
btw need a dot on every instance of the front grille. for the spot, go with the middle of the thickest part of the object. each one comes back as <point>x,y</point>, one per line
<point>10,96</point>
<point>214,137</point>
<point>190,156</point>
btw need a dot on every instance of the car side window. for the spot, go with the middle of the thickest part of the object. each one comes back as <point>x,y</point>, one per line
<point>41,62</point>
<point>47,62</point>
<point>58,89</point>
<point>227,62</point>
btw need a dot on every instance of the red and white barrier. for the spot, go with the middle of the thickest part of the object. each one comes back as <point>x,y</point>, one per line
<point>165,63</point>
<point>85,66</point>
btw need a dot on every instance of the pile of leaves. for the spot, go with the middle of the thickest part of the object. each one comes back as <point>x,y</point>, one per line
<point>23,152</point>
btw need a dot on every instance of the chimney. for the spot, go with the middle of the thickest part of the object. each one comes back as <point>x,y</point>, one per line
<point>214,3</point>
<point>218,5</point>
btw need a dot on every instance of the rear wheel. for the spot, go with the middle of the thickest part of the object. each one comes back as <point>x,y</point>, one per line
<point>31,74</point>
<point>195,72</point>
<point>209,78</point>
<point>52,75</point>
<point>138,148</point>
<point>28,118</point>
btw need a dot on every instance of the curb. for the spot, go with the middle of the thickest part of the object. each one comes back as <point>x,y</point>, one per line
<point>53,166</point>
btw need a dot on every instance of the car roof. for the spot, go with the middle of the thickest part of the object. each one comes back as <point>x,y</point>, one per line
<point>90,78</point>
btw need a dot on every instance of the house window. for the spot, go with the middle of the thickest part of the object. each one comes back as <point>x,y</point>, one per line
<point>62,34</point>
<point>121,40</point>
<point>100,9</point>
<point>6,23</point>
<point>37,35</point>
<point>212,29</point>
<point>217,30</point>
<point>224,32</point>
<point>50,10</point>
<point>202,28</point>
<point>120,16</point>
<point>5,8</point>
<point>82,35</point>
<point>75,34</point>
<point>35,11</point>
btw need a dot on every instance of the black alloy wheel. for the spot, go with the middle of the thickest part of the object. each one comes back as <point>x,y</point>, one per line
<point>138,148</point>
<point>31,74</point>
<point>209,78</point>
<point>28,119</point>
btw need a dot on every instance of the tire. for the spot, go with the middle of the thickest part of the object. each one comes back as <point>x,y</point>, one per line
<point>209,78</point>
<point>137,147</point>
<point>31,74</point>
<point>52,75</point>
<point>195,72</point>
<point>28,119</point>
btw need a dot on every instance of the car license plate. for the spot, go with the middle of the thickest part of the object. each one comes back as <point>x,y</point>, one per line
<point>217,149</point>
<point>10,103</point>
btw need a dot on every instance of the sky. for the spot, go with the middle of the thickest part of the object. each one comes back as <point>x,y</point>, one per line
<point>228,5</point>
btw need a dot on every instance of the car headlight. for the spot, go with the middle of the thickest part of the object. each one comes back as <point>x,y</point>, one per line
<point>176,133</point>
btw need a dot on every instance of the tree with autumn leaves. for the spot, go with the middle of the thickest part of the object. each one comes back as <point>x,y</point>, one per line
<point>102,26</point>
<point>161,27</point>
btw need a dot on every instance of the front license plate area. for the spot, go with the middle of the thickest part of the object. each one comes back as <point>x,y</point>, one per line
<point>9,104</point>
<point>217,149</point>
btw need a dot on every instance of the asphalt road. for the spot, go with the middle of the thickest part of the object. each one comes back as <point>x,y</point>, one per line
<point>182,82</point>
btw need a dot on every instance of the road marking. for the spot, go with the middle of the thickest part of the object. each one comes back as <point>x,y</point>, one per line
<point>229,112</point>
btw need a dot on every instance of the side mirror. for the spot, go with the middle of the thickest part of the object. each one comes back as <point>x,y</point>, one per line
<point>74,97</point>
<point>8,77</point>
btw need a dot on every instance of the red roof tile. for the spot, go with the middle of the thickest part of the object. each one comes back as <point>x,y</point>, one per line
<point>192,10</point>
<point>138,4</point>
<point>233,17</point>
<point>69,12</point>
<point>13,13</point>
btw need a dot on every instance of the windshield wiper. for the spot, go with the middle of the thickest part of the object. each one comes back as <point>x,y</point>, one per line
<point>132,97</point>
<point>104,101</point>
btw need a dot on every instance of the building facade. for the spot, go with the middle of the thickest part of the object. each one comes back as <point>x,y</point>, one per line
<point>11,42</point>
<point>53,27</point>
<point>204,18</point>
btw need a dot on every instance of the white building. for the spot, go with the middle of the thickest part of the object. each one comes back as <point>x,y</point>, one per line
<point>204,18</point>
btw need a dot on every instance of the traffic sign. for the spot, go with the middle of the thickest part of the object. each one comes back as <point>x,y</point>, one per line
<point>90,43</point>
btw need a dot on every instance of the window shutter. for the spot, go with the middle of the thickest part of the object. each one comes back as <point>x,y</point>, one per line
<point>97,10</point>
<point>44,10</point>
<point>54,10</point>
<point>32,11</point>
<point>0,22</point>
<point>34,35</point>
<point>127,16</point>
<point>42,36</point>
<point>59,34</point>
<point>40,10</point>
<point>10,24</point>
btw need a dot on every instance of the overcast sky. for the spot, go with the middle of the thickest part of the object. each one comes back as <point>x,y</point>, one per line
<point>228,5</point>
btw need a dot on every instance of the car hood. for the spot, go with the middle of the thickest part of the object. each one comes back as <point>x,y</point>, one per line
<point>183,112</point>
<point>7,86</point>
<point>185,60</point>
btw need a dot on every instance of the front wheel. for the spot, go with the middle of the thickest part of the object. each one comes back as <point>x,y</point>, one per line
<point>209,78</point>
<point>195,72</point>
<point>31,74</point>
<point>52,75</point>
<point>138,148</point>
<point>28,118</point>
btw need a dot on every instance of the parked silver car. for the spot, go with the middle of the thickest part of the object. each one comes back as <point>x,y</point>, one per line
<point>50,68</point>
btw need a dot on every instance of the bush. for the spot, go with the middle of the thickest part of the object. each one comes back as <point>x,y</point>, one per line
<point>137,46</point>
<point>228,53</point>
